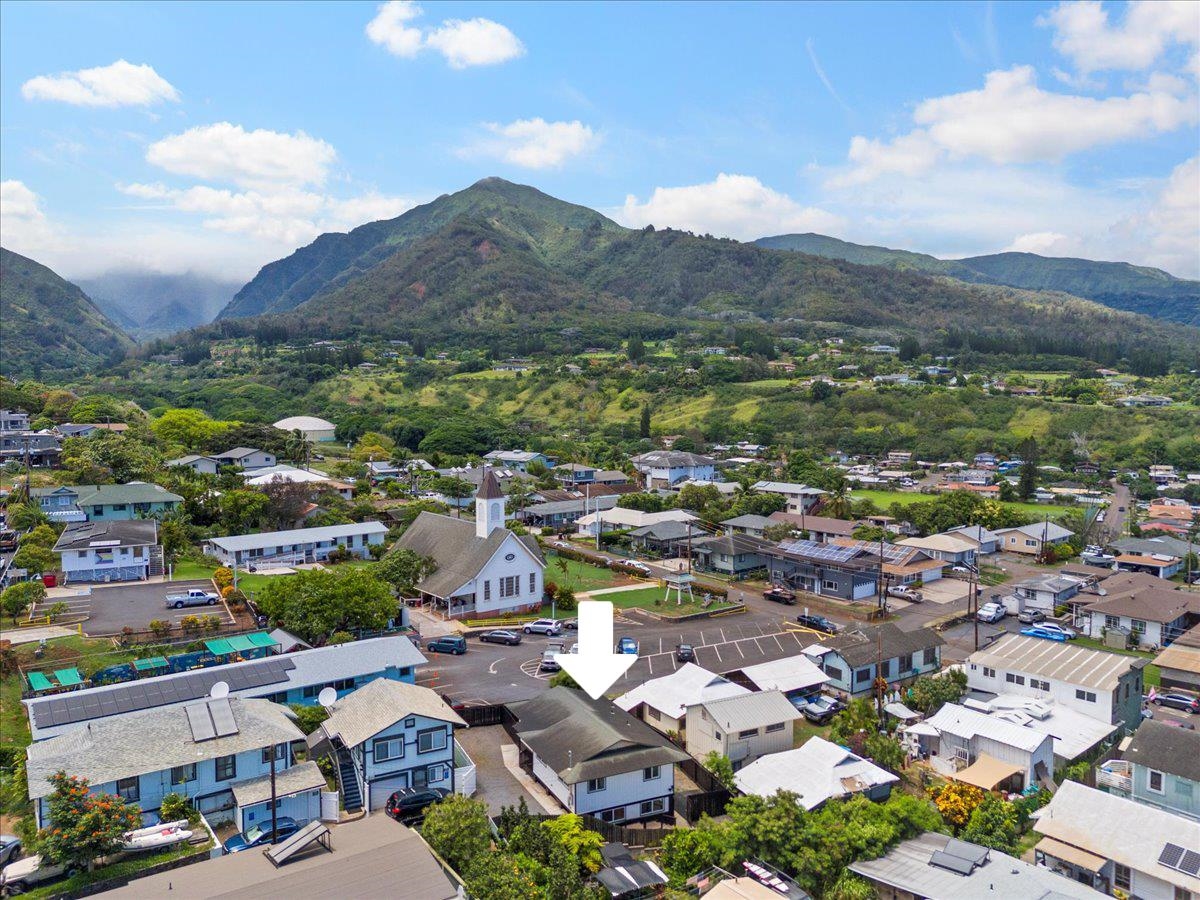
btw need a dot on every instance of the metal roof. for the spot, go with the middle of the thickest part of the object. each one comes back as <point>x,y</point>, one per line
<point>814,772</point>
<point>234,543</point>
<point>967,723</point>
<point>686,686</point>
<point>752,710</point>
<point>1062,661</point>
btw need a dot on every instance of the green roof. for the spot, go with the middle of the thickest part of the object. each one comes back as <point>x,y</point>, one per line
<point>240,643</point>
<point>105,494</point>
<point>218,647</point>
<point>151,662</point>
<point>39,682</point>
<point>68,677</point>
<point>262,639</point>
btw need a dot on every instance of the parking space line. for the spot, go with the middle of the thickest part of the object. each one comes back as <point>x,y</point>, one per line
<point>738,647</point>
<point>717,650</point>
<point>724,640</point>
<point>777,644</point>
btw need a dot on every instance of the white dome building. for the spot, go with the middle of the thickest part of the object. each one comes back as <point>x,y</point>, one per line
<point>311,427</point>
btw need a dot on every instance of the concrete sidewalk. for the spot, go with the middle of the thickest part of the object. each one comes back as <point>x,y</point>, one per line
<point>29,635</point>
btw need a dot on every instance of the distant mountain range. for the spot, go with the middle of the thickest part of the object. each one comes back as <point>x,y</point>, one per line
<point>48,324</point>
<point>1139,289</point>
<point>152,304</point>
<point>499,263</point>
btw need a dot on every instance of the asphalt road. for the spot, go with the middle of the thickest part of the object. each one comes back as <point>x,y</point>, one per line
<point>110,608</point>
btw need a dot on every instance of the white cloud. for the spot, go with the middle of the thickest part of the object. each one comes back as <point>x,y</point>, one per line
<point>824,79</point>
<point>120,84</point>
<point>1083,33</point>
<point>1045,243</point>
<point>390,28</point>
<point>22,220</point>
<point>1012,120</point>
<point>533,143</point>
<point>1169,231</point>
<point>225,152</point>
<point>737,206</point>
<point>463,42</point>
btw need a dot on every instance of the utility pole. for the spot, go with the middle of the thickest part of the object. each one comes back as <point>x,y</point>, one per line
<point>689,548</point>
<point>274,811</point>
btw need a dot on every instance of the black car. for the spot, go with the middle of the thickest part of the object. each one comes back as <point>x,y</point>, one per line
<point>409,804</point>
<point>818,623</point>
<point>1178,700</point>
<point>685,653</point>
<point>779,594</point>
<point>501,636</point>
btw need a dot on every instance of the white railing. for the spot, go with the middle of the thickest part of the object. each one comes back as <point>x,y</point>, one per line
<point>1117,774</point>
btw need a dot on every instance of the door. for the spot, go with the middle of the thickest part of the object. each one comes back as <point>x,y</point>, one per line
<point>384,788</point>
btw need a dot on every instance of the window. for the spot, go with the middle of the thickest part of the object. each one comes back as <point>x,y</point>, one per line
<point>829,585</point>
<point>1182,893</point>
<point>1039,685</point>
<point>650,807</point>
<point>834,672</point>
<point>388,748</point>
<point>1085,695</point>
<point>989,673</point>
<point>1122,877</point>
<point>776,726</point>
<point>183,774</point>
<point>431,740</point>
<point>609,815</point>
<point>1012,678</point>
<point>533,582</point>
<point>127,789</point>
<point>1112,621</point>
<point>420,778</point>
<point>929,656</point>
<point>748,733</point>
<point>1154,781</point>
<point>1138,626</point>
<point>510,586</point>
<point>651,773</point>
<point>652,713</point>
<point>437,773</point>
<point>596,785</point>
<point>280,754</point>
<point>226,767</point>
<point>487,590</point>
<point>906,662</point>
<point>1029,543</point>
<point>118,507</point>
<point>410,722</point>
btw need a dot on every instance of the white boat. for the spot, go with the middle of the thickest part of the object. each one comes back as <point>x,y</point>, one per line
<point>1097,557</point>
<point>155,837</point>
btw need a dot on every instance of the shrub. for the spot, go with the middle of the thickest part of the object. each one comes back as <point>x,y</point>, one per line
<point>176,807</point>
<point>160,628</point>
<point>223,577</point>
<point>341,637</point>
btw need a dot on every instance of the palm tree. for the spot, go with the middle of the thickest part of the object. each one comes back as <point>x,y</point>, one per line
<point>839,499</point>
<point>299,448</point>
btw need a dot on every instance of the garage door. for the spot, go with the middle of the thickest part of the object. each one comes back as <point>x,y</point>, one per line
<point>381,790</point>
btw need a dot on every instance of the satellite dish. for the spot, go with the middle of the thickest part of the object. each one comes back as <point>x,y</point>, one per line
<point>327,697</point>
<point>219,691</point>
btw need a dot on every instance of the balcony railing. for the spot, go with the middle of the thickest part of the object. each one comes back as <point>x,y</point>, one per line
<point>1116,774</point>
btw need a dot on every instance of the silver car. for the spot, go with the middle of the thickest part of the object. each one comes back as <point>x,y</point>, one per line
<point>543,626</point>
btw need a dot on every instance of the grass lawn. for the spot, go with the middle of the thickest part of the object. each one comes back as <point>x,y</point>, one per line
<point>884,500</point>
<point>802,730</point>
<point>581,576</point>
<point>650,598</point>
<point>189,570</point>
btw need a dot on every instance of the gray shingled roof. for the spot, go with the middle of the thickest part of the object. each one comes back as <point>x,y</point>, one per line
<point>1166,749</point>
<point>380,704</point>
<point>304,776</point>
<point>459,553</point>
<point>581,738</point>
<point>134,492</point>
<point>140,743</point>
<point>862,646</point>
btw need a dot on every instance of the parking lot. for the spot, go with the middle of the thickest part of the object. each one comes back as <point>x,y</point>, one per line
<point>111,607</point>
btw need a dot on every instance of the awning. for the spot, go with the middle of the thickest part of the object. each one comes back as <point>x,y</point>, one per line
<point>68,677</point>
<point>152,662</point>
<point>262,639</point>
<point>218,647</point>
<point>987,772</point>
<point>240,643</point>
<point>1089,861</point>
<point>900,711</point>
<point>923,729</point>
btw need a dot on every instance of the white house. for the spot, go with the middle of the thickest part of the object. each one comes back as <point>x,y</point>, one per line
<point>664,468</point>
<point>800,497</point>
<point>950,548</point>
<point>620,517</point>
<point>298,545</point>
<point>216,753</point>
<point>1115,844</point>
<point>1101,685</point>
<point>1045,592</point>
<point>742,728</point>
<point>662,702</point>
<point>246,458</point>
<point>818,771</point>
<point>108,551</point>
<point>389,735</point>
<point>1029,539</point>
<point>595,758</point>
<point>311,427</point>
<point>794,676</point>
<point>987,751</point>
<point>1155,615</point>
<point>260,478</point>
<point>483,569</point>
<point>204,465</point>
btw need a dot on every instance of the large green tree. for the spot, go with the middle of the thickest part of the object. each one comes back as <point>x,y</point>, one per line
<point>315,604</point>
<point>402,569</point>
<point>459,830</point>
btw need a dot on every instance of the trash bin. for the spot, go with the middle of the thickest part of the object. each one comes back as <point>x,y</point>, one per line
<point>50,580</point>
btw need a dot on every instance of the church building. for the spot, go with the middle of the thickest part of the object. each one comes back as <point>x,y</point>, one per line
<point>483,569</point>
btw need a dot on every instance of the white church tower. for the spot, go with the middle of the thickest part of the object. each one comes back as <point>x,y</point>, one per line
<point>489,505</point>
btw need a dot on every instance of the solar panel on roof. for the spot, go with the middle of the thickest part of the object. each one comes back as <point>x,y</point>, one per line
<point>1171,855</point>
<point>222,717</point>
<point>949,861</point>
<point>966,850</point>
<point>200,722</point>
<point>1191,863</point>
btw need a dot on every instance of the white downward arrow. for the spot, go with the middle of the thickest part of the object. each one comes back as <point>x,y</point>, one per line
<point>595,667</point>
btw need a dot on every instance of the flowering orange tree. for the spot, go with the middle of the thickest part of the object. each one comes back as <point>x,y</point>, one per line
<point>83,826</point>
<point>956,801</point>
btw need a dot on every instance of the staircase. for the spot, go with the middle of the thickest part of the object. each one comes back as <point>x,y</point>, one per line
<point>156,561</point>
<point>352,797</point>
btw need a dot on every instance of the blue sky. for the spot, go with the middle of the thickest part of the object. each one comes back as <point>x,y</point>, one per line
<point>218,137</point>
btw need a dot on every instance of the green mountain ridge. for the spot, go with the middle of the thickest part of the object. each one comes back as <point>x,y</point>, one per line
<point>48,323</point>
<point>154,304</point>
<point>1139,289</point>
<point>502,265</point>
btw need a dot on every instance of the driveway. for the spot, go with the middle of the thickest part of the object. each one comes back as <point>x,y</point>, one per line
<point>494,784</point>
<point>110,608</point>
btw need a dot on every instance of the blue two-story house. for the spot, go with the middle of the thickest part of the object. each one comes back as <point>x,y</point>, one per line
<point>116,502</point>
<point>851,659</point>
<point>60,504</point>
<point>1160,767</point>
<point>666,468</point>
<point>389,735</point>
<point>216,753</point>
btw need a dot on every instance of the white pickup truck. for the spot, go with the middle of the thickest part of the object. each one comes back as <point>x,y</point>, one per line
<point>193,597</point>
<point>25,874</point>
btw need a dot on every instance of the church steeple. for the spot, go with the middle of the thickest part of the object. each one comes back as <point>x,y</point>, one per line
<point>489,505</point>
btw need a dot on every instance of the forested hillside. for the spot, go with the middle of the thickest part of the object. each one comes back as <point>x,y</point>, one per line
<point>151,304</point>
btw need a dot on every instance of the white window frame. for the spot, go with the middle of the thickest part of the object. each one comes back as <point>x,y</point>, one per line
<point>385,744</point>
<point>650,807</point>
<point>1162,781</point>
<point>430,746</point>
<point>650,773</point>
